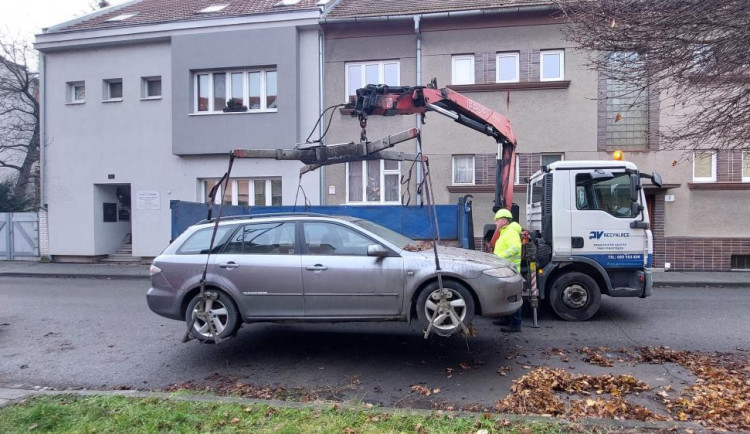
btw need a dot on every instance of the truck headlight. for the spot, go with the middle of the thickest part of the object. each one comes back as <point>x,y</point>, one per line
<point>500,272</point>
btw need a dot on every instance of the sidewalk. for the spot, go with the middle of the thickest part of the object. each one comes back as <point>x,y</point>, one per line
<point>123,271</point>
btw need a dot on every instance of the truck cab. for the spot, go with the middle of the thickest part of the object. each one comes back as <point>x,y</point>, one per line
<point>590,234</point>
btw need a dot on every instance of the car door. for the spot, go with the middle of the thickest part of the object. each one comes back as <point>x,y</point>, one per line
<point>341,280</point>
<point>261,262</point>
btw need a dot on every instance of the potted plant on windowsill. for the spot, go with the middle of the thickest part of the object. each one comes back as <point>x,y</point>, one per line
<point>234,105</point>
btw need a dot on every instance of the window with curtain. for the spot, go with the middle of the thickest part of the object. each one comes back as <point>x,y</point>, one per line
<point>373,181</point>
<point>463,169</point>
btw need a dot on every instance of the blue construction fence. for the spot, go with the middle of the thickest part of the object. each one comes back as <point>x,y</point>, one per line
<point>454,221</point>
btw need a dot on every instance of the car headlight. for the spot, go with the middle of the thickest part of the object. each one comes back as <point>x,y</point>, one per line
<point>500,272</point>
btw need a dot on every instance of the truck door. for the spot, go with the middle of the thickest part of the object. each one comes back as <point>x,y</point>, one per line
<point>601,218</point>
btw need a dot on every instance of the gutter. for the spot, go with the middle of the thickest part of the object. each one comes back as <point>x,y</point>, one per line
<point>418,35</point>
<point>452,14</point>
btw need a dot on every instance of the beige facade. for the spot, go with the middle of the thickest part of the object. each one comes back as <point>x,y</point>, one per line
<point>548,117</point>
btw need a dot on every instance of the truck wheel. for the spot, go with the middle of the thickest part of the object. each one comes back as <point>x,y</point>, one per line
<point>461,300</point>
<point>221,312</point>
<point>575,297</point>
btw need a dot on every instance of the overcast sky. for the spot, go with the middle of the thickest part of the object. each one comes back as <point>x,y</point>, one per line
<point>27,17</point>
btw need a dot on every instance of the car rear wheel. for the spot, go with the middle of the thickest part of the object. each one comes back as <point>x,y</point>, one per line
<point>575,297</point>
<point>220,312</point>
<point>430,307</point>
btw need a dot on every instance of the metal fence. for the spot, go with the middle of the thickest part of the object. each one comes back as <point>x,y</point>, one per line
<point>19,235</point>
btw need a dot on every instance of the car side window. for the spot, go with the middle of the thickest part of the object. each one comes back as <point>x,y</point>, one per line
<point>198,243</point>
<point>263,239</point>
<point>331,239</point>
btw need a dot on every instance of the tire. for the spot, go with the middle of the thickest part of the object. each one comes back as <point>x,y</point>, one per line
<point>461,300</point>
<point>575,297</point>
<point>226,320</point>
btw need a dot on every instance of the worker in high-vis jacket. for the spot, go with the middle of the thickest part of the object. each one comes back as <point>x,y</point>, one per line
<point>508,246</point>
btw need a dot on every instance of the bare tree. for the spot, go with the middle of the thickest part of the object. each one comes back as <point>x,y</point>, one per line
<point>19,118</point>
<point>692,55</point>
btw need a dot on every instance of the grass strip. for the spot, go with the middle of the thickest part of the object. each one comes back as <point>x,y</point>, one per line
<point>72,413</point>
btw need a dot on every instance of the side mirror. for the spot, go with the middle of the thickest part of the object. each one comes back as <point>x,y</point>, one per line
<point>635,183</point>
<point>635,209</point>
<point>656,179</point>
<point>377,250</point>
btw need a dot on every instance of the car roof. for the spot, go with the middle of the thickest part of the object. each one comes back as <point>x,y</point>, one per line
<point>266,216</point>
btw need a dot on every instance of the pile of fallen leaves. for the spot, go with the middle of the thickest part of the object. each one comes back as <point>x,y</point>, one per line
<point>720,398</point>
<point>605,356</point>
<point>224,385</point>
<point>535,393</point>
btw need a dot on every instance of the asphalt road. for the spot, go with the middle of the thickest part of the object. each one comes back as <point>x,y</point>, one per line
<point>99,333</point>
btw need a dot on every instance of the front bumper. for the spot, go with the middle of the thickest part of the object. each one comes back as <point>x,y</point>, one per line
<point>500,296</point>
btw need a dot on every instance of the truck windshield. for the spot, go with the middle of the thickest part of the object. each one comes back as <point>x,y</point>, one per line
<point>609,193</point>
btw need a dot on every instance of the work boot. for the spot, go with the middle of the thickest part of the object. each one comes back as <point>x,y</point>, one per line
<point>501,322</point>
<point>511,329</point>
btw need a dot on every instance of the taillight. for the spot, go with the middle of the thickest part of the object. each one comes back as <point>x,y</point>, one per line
<point>154,270</point>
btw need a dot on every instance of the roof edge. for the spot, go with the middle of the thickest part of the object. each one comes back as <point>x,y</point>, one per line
<point>447,14</point>
<point>89,16</point>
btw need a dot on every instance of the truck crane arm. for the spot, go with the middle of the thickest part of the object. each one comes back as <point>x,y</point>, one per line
<point>382,100</point>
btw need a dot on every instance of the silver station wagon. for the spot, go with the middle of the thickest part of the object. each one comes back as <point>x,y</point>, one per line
<point>313,267</point>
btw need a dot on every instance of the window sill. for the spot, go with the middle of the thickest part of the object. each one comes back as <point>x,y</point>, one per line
<point>234,113</point>
<point>113,100</point>
<point>719,185</point>
<point>496,87</point>
<point>75,103</point>
<point>151,98</point>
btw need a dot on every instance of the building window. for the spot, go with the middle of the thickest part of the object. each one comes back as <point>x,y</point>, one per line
<point>552,65</point>
<point>547,159</point>
<point>463,169</point>
<point>463,69</point>
<point>76,92</point>
<point>745,166</point>
<point>236,91</point>
<point>359,75</point>
<point>150,87</point>
<point>704,166</point>
<point>626,105</point>
<point>507,67</point>
<point>245,191</point>
<point>112,89</point>
<point>373,181</point>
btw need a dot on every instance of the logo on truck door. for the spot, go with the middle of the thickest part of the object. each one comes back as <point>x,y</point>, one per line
<point>597,235</point>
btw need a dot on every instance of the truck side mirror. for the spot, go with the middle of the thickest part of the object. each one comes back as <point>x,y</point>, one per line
<point>656,179</point>
<point>635,182</point>
<point>635,209</point>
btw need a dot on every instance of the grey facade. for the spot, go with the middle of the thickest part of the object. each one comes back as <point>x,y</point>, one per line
<point>158,148</point>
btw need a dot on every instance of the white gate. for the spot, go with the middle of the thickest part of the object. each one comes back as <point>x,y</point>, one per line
<point>19,235</point>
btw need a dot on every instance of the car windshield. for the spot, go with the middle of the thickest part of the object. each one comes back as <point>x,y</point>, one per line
<point>385,233</point>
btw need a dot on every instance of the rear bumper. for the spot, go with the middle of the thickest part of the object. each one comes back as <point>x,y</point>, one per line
<point>164,302</point>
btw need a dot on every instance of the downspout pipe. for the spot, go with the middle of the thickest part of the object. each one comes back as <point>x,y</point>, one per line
<point>321,103</point>
<point>42,131</point>
<point>418,82</point>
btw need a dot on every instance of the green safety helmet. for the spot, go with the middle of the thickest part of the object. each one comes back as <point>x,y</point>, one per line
<point>504,213</point>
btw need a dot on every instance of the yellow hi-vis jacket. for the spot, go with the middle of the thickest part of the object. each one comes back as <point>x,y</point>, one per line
<point>508,245</point>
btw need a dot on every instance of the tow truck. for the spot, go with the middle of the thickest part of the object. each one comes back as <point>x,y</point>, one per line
<point>587,227</point>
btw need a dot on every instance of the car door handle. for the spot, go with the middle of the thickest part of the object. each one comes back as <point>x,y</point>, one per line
<point>316,267</point>
<point>229,265</point>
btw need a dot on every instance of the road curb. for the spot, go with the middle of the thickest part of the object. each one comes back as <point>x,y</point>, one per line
<point>11,396</point>
<point>701,284</point>
<point>75,276</point>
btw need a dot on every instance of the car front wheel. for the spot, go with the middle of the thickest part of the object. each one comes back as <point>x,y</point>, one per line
<point>431,307</point>
<point>218,321</point>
